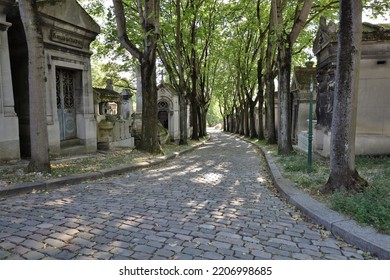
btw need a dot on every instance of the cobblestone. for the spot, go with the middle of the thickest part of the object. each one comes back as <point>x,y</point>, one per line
<point>208,204</point>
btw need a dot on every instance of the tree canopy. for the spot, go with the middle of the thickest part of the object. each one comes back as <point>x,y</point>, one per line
<point>233,55</point>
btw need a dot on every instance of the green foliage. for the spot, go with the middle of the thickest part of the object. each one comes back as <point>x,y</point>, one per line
<point>371,208</point>
<point>377,8</point>
<point>213,115</point>
<point>110,60</point>
<point>295,167</point>
<point>118,73</point>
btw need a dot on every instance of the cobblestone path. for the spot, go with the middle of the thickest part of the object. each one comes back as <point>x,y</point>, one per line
<point>214,203</point>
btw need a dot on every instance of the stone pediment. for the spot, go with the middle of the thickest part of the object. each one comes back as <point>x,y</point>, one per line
<point>68,11</point>
<point>66,25</point>
<point>167,88</point>
<point>327,33</point>
<point>300,84</point>
<point>376,32</point>
<point>302,77</point>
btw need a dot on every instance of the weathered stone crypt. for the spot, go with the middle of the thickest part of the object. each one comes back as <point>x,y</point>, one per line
<point>68,31</point>
<point>373,111</point>
<point>9,132</point>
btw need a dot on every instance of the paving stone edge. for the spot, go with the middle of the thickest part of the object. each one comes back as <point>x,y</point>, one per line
<point>365,238</point>
<point>58,182</point>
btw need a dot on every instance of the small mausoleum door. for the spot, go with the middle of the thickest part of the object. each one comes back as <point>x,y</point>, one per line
<point>163,110</point>
<point>66,103</point>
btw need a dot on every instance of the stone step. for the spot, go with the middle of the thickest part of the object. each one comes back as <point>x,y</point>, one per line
<point>70,143</point>
<point>76,149</point>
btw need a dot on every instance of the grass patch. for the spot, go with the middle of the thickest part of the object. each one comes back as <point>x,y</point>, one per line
<point>370,208</point>
<point>295,168</point>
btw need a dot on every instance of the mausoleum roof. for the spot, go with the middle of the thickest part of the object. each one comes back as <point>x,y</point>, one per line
<point>106,95</point>
<point>327,34</point>
<point>302,76</point>
<point>68,11</point>
<point>167,87</point>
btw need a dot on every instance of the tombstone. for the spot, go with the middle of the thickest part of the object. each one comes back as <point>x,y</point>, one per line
<point>373,112</point>
<point>67,33</point>
<point>114,128</point>
<point>9,132</point>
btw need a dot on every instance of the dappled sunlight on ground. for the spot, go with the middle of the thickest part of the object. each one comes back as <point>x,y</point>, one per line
<point>208,179</point>
<point>262,179</point>
<point>210,204</point>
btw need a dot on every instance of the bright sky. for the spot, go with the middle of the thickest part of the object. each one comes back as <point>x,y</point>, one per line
<point>383,19</point>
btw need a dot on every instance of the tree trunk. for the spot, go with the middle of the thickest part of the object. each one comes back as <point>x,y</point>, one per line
<point>260,134</point>
<point>242,120</point>
<point>149,17</point>
<point>246,118</point>
<point>182,97</point>
<point>226,123</point>
<point>270,88</point>
<point>194,118</point>
<point>204,111</point>
<point>238,121</point>
<point>183,119</point>
<point>40,161</point>
<point>252,122</point>
<point>343,175</point>
<point>260,97</point>
<point>149,136</point>
<point>270,93</point>
<point>284,98</point>
<point>200,121</point>
<point>285,47</point>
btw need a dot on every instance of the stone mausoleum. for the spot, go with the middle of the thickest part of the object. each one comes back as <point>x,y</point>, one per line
<point>168,112</point>
<point>373,112</point>
<point>113,111</point>
<point>68,31</point>
<point>9,132</point>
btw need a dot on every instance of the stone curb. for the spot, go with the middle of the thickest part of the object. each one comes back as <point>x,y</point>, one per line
<point>53,183</point>
<point>365,238</point>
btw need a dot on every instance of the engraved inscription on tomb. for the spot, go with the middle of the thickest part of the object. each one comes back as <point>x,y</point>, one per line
<point>66,38</point>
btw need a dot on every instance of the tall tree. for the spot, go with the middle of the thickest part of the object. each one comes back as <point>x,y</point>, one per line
<point>40,161</point>
<point>286,37</point>
<point>270,73</point>
<point>149,17</point>
<point>171,54</point>
<point>343,174</point>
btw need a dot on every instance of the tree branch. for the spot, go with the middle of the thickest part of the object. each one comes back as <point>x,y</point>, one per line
<point>300,21</point>
<point>122,30</point>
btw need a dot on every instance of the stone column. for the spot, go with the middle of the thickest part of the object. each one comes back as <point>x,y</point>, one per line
<point>9,124</point>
